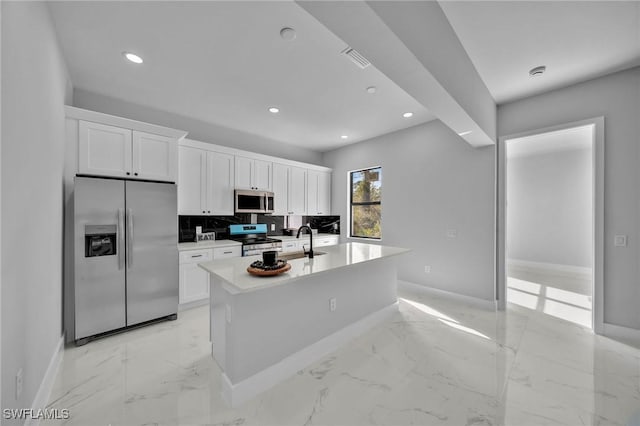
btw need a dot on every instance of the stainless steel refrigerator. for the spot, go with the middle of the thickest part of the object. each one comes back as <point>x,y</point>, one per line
<point>126,256</point>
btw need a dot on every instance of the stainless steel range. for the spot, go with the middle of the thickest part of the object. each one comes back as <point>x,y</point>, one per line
<point>254,238</point>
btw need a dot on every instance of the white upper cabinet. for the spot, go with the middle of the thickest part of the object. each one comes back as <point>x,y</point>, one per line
<point>220,183</point>
<point>107,150</point>
<point>290,189</point>
<point>318,193</point>
<point>154,157</point>
<point>297,199</point>
<point>252,173</point>
<point>280,189</point>
<point>104,150</point>
<point>324,194</point>
<point>206,182</point>
<point>192,182</point>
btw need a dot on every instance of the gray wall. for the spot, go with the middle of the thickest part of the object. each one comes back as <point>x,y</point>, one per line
<point>198,130</point>
<point>35,87</point>
<point>617,98</point>
<point>432,181</point>
<point>549,207</point>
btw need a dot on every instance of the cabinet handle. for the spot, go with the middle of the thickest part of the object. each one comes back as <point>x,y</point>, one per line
<point>227,252</point>
<point>196,255</point>
<point>136,174</point>
<point>209,211</point>
<point>128,173</point>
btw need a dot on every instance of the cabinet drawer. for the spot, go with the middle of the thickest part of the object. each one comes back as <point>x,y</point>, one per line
<point>290,246</point>
<point>226,252</point>
<point>326,241</point>
<point>196,256</point>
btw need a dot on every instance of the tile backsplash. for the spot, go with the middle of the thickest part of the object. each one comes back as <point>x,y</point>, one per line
<point>220,224</point>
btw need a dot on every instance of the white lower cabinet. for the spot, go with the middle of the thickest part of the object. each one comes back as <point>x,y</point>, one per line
<point>194,281</point>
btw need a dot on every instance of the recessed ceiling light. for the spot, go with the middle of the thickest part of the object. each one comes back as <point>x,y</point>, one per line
<point>274,110</point>
<point>464,133</point>
<point>132,57</point>
<point>344,137</point>
<point>372,89</point>
<point>534,72</point>
<point>407,115</point>
<point>288,33</point>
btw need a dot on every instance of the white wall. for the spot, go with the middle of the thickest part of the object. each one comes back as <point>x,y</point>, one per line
<point>549,207</point>
<point>198,130</point>
<point>35,86</point>
<point>617,98</point>
<point>432,180</point>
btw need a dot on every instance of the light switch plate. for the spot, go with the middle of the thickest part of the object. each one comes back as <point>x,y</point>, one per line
<point>620,241</point>
<point>452,233</point>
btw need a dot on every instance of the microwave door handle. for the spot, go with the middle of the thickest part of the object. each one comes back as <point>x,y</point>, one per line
<point>129,238</point>
<point>121,242</point>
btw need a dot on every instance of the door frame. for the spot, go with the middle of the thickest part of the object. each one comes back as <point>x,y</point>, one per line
<point>597,212</point>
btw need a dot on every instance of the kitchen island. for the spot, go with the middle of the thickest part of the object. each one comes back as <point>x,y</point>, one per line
<point>265,329</point>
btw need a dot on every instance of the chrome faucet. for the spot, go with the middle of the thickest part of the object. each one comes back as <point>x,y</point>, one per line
<point>310,252</point>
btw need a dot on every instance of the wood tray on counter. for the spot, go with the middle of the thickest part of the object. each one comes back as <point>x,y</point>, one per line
<point>268,272</point>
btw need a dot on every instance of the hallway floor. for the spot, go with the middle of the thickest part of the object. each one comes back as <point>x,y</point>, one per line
<point>437,361</point>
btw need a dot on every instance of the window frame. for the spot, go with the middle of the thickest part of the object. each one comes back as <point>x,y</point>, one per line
<point>350,203</point>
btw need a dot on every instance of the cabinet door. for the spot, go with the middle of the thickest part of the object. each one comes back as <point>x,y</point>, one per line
<point>312,192</point>
<point>192,181</point>
<point>324,194</point>
<point>297,199</point>
<point>103,150</point>
<point>194,283</point>
<point>154,157</point>
<point>220,183</point>
<point>243,173</point>
<point>280,188</point>
<point>262,174</point>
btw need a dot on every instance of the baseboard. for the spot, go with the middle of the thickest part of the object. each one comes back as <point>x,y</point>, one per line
<point>490,305</point>
<point>558,269</point>
<point>237,394</point>
<point>44,391</point>
<point>626,334</point>
<point>194,304</point>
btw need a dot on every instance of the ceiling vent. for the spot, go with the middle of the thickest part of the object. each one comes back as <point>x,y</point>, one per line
<point>356,58</point>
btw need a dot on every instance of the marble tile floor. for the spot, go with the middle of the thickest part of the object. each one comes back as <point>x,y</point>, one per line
<point>436,362</point>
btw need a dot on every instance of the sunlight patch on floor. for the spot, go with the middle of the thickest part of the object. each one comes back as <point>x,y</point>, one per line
<point>551,300</point>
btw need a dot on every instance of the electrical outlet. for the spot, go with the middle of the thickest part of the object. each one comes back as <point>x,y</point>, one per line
<point>620,241</point>
<point>19,383</point>
<point>273,226</point>
<point>452,233</point>
<point>427,269</point>
<point>227,313</point>
<point>332,304</point>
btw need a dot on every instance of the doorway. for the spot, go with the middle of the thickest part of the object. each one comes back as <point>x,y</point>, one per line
<point>550,210</point>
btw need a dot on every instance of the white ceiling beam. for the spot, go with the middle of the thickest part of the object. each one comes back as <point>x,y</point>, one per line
<point>413,44</point>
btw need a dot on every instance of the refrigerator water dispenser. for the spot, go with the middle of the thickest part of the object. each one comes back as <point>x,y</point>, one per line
<point>99,240</point>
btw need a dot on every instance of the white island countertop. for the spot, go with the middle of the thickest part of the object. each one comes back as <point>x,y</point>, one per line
<point>237,280</point>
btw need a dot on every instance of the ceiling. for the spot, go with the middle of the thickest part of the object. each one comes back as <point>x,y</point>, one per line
<point>225,63</point>
<point>576,40</point>
<point>576,138</point>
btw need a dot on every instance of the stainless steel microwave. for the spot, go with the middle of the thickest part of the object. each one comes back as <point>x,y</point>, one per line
<point>249,201</point>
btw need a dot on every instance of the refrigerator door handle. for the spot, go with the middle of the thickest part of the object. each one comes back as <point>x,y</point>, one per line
<point>129,238</point>
<point>121,241</point>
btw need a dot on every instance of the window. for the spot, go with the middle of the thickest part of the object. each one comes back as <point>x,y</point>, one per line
<point>366,194</point>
